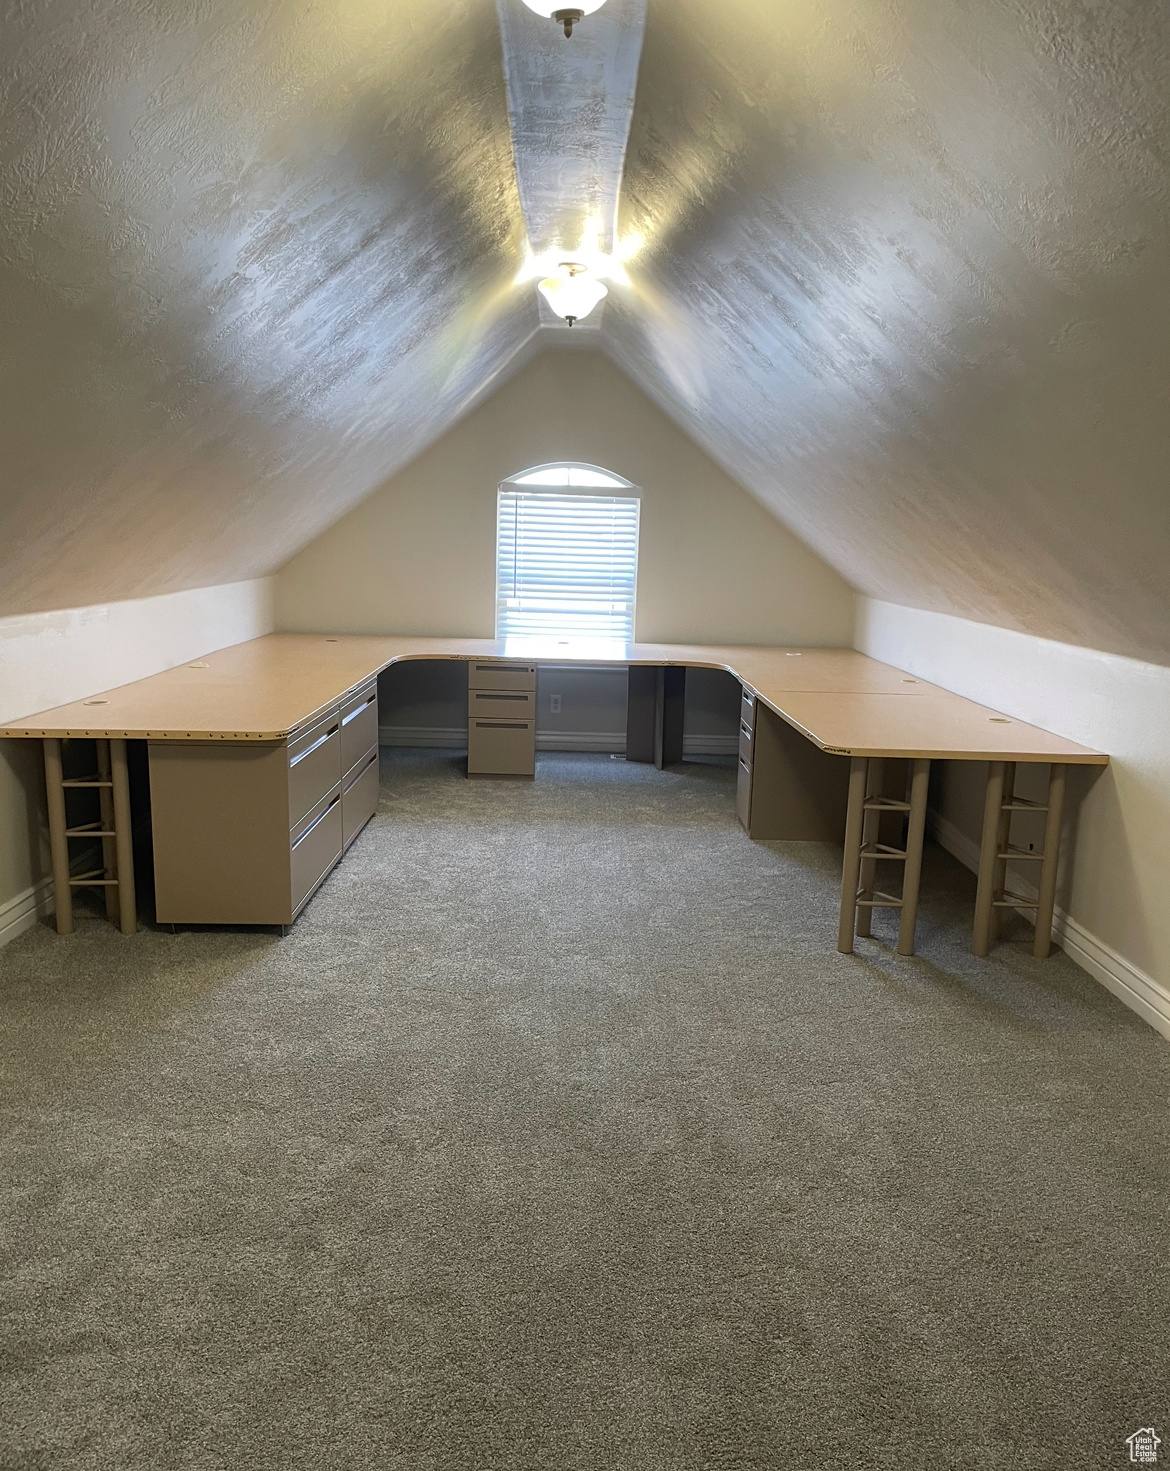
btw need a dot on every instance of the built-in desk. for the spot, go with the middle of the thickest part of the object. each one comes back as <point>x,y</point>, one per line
<point>274,691</point>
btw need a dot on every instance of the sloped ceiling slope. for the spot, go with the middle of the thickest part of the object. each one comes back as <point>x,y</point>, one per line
<point>902,266</point>
<point>905,271</point>
<point>254,254</point>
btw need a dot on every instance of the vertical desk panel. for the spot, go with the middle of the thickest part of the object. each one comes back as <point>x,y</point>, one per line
<point>641,701</point>
<point>221,832</point>
<point>798,792</point>
<point>654,713</point>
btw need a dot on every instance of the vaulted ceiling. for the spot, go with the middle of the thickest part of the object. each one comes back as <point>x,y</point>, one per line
<point>902,266</point>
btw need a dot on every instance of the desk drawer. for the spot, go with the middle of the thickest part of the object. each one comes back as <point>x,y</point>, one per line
<point>746,737</point>
<point>747,708</point>
<point>501,747</point>
<point>494,674</point>
<point>743,793</point>
<point>789,789</point>
<point>359,726</point>
<point>501,704</point>
<point>359,799</point>
<point>314,766</point>
<point>316,846</point>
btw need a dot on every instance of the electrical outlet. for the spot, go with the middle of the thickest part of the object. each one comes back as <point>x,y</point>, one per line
<point>554,704</point>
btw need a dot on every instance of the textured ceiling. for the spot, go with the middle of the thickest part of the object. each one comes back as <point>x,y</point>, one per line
<point>570,108</point>
<point>903,267</point>
<point>907,275</point>
<point>254,254</point>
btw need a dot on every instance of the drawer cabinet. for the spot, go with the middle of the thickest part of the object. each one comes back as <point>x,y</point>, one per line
<point>743,793</point>
<point>245,832</point>
<point>746,738</point>
<point>359,726</point>
<point>743,785</point>
<point>786,787</point>
<point>501,718</point>
<point>314,766</point>
<point>501,704</point>
<point>315,846</point>
<point>359,797</point>
<point>498,674</point>
<point>501,748</point>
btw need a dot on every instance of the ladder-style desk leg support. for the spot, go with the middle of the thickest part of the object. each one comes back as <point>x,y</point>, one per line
<point>988,846</point>
<point>912,873</point>
<point>992,896</point>
<point>113,829</point>
<point>864,850</point>
<point>123,838</point>
<point>871,828</point>
<point>1046,902</point>
<point>58,842</point>
<point>109,844</point>
<point>851,869</point>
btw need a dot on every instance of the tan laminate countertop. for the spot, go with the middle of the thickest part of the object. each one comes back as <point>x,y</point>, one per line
<point>841,700</point>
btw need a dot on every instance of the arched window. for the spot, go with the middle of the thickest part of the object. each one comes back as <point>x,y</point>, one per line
<point>566,554</point>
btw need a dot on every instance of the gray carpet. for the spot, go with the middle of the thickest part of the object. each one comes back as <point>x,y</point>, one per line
<point>557,1135</point>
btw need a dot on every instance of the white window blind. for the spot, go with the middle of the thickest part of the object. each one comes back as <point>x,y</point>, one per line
<point>566,565</point>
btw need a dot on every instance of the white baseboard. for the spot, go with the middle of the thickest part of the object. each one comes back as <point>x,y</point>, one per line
<point>953,839</point>
<point>455,738</point>
<point>613,741</point>
<point>710,745</point>
<point>22,912</point>
<point>1140,992</point>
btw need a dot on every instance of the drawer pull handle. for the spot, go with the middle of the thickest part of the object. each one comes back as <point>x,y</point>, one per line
<point>362,772</point>
<point>480,695</point>
<point>745,766</point>
<point>746,729</point>
<point>353,714</point>
<point>320,741</point>
<point>317,821</point>
<point>501,725</point>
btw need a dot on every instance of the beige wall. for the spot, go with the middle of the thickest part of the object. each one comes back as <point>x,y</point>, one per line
<point>48,659</point>
<point>419,555</point>
<point>1115,920</point>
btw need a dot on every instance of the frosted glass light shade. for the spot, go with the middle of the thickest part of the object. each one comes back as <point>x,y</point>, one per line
<point>549,8</point>
<point>572,293</point>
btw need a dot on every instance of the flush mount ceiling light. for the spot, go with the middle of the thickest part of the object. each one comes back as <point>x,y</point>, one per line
<point>566,17</point>
<point>571,293</point>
